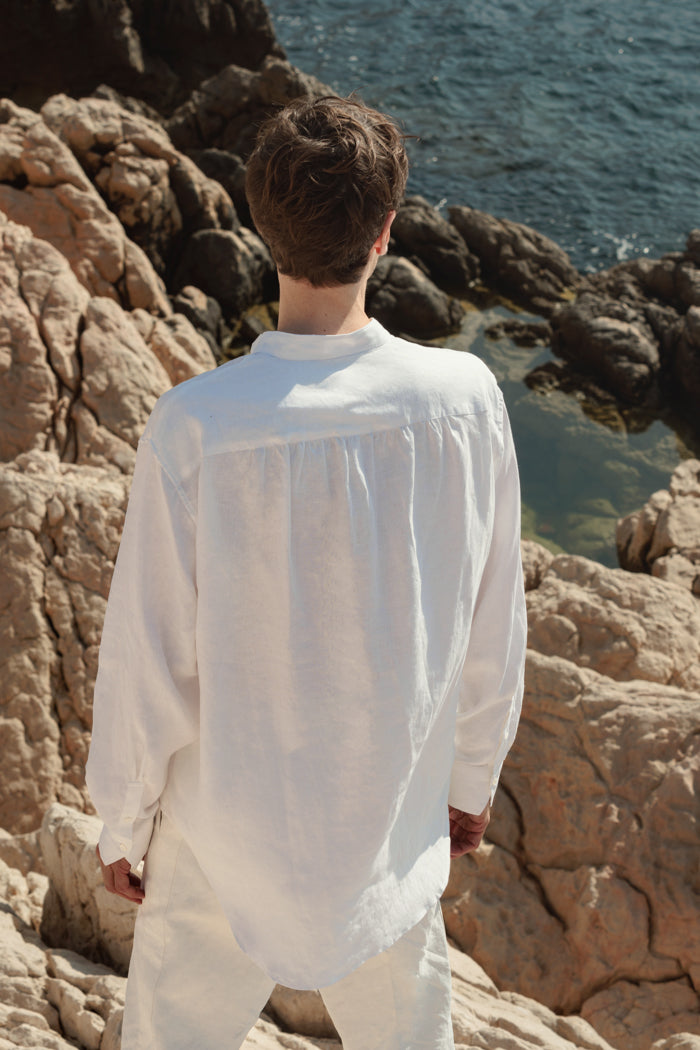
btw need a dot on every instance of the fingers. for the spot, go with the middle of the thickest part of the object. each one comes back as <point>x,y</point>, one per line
<point>467,830</point>
<point>119,878</point>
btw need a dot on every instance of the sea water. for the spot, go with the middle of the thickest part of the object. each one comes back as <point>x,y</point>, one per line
<point>578,117</point>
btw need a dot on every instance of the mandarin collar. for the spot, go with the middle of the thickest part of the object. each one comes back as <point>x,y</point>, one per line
<point>320,347</point>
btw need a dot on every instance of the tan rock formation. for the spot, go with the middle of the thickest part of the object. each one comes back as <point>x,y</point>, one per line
<point>586,884</point>
<point>157,194</point>
<point>78,912</point>
<point>42,186</point>
<point>663,538</point>
<point>622,625</point>
<point>59,533</point>
<point>79,376</point>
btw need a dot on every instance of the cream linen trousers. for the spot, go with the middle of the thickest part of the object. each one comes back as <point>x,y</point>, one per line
<point>191,987</point>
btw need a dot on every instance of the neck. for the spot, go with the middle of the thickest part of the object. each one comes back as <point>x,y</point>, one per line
<point>305,310</point>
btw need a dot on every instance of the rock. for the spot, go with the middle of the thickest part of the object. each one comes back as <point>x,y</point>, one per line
<point>536,561</point>
<point>586,880</point>
<point>228,169</point>
<point>42,186</point>
<point>21,852</point>
<point>303,1012</point>
<point>79,913</point>
<point>157,51</point>
<point>516,260</point>
<point>78,377</point>
<point>621,625</point>
<point>612,341</point>
<point>635,329</point>
<point>203,312</point>
<point>663,538</point>
<point>158,195</point>
<point>47,994</point>
<point>407,302</point>
<point>681,1041</point>
<point>24,895</point>
<point>421,231</point>
<point>59,533</point>
<point>635,1014</point>
<point>225,111</point>
<point>233,268</point>
<point>522,333</point>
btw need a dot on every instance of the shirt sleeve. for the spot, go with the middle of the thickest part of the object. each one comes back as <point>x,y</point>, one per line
<point>146,694</point>
<point>491,687</point>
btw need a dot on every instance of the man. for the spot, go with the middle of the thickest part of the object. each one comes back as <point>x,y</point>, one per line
<point>314,637</point>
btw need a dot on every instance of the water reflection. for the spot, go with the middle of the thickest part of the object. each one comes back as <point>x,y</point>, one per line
<point>578,475</point>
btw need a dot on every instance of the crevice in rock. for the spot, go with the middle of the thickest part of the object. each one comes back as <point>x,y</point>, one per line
<point>542,896</point>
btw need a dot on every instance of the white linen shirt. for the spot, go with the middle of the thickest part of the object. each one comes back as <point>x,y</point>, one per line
<point>315,632</point>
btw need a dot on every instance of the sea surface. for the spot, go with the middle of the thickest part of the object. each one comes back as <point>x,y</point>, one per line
<point>578,117</point>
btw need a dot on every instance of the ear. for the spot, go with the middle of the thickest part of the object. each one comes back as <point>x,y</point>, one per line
<point>381,244</point>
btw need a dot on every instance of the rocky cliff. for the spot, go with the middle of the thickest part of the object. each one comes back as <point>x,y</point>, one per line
<point>127,265</point>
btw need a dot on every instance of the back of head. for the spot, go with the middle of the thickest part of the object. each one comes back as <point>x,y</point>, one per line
<point>323,177</point>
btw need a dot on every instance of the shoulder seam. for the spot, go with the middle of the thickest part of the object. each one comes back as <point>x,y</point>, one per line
<point>178,488</point>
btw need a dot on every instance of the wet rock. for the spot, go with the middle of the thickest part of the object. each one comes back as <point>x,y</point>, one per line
<point>613,342</point>
<point>635,329</point>
<point>419,230</point>
<point>663,538</point>
<point>516,260</point>
<point>406,301</point>
<point>226,110</point>
<point>522,333</point>
<point>158,51</point>
<point>236,269</point>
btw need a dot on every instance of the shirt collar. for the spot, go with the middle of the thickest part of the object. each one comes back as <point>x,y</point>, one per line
<point>302,347</point>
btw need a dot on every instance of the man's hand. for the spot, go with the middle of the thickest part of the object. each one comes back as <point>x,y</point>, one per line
<point>466,830</point>
<point>120,879</point>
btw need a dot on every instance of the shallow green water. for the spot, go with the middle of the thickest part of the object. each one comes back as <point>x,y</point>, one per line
<point>578,477</point>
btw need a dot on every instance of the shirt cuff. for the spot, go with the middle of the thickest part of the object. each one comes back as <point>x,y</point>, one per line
<point>132,846</point>
<point>471,787</point>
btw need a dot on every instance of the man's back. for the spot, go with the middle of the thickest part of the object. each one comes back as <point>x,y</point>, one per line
<point>337,498</point>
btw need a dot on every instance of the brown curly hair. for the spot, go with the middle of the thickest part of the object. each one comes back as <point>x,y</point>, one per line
<point>323,176</point>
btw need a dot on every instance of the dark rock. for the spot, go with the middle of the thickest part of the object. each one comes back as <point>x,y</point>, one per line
<point>692,247</point>
<point>233,268</point>
<point>229,170</point>
<point>420,230</point>
<point>156,50</point>
<point>517,260</point>
<point>686,361</point>
<point>127,102</point>
<point>611,341</point>
<point>200,207</point>
<point>202,311</point>
<point>226,110</point>
<point>407,302</point>
<point>522,333</point>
